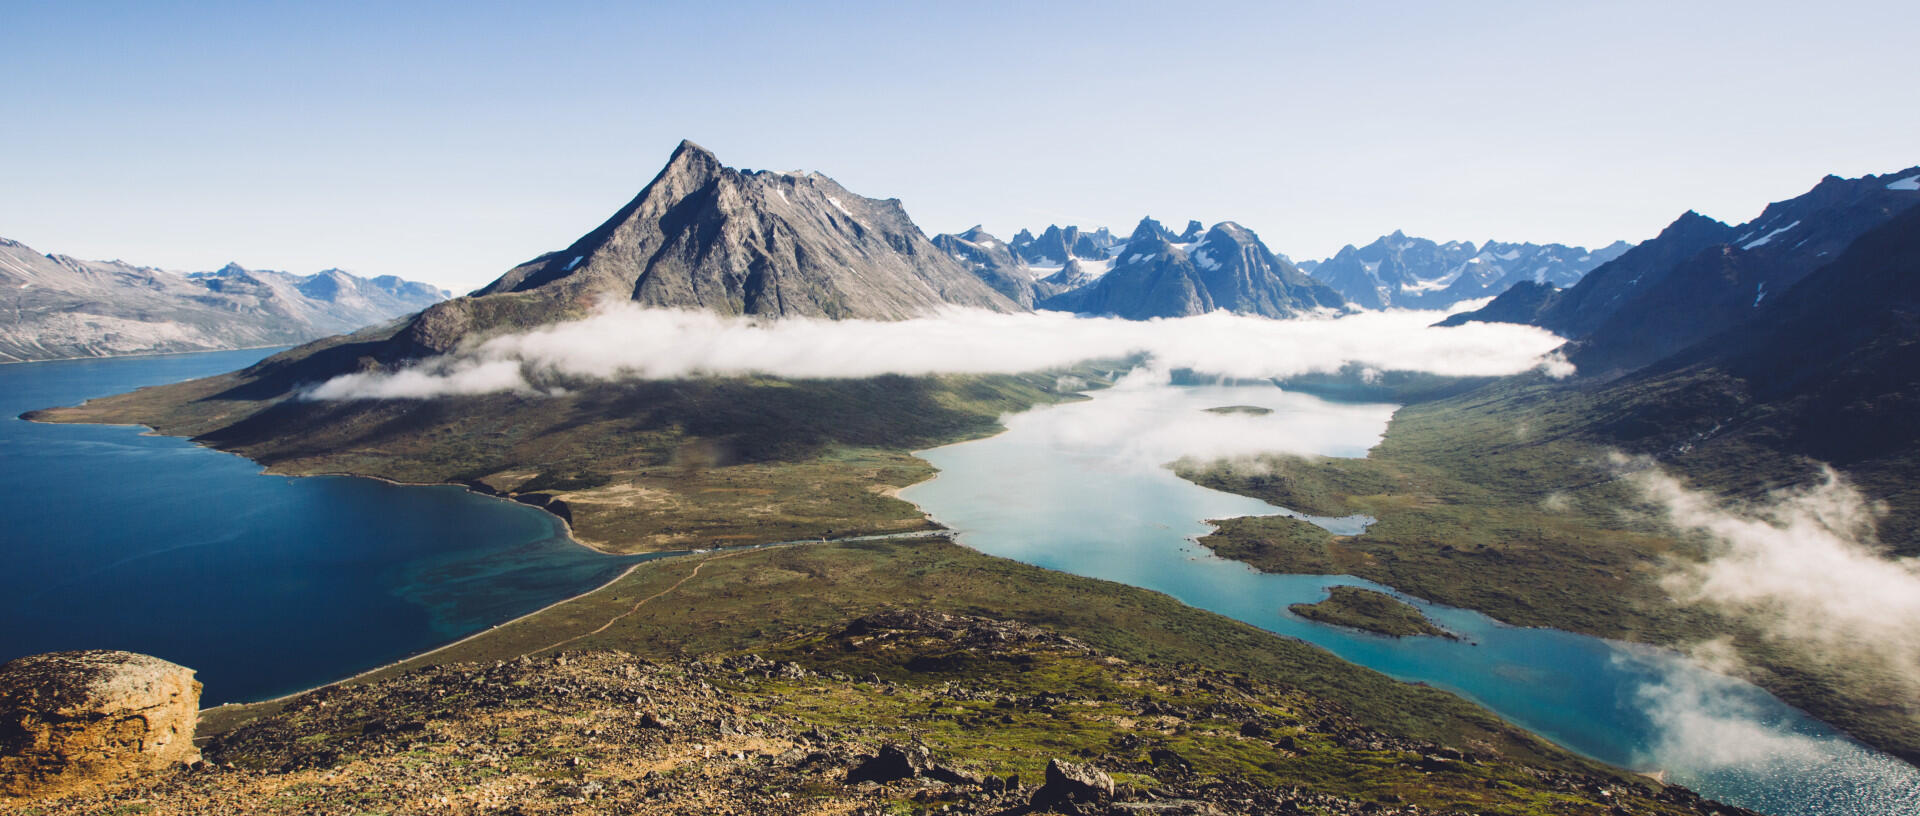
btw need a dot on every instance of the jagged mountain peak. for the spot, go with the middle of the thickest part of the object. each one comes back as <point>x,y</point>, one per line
<point>1225,268</point>
<point>705,236</point>
<point>1148,230</point>
<point>689,155</point>
<point>1223,231</point>
<point>1399,270</point>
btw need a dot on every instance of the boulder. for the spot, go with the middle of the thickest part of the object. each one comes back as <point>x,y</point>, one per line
<point>73,720</point>
<point>893,763</point>
<point>1068,782</point>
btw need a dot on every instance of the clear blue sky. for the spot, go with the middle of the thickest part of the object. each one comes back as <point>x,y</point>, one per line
<point>447,142</point>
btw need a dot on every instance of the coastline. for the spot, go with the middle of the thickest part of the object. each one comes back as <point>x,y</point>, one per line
<point>139,354</point>
<point>645,559</point>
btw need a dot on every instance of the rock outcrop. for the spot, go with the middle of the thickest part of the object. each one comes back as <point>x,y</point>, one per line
<point>70,721</point>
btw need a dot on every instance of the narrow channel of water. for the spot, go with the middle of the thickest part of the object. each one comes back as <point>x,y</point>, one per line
<point>1082,488</point>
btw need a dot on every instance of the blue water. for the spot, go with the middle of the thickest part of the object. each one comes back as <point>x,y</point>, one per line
<point>1081,488</point>
<point>111,539</point>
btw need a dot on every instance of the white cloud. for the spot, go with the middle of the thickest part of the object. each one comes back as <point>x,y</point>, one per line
<point>1805,568</point>
<point>627,342</point>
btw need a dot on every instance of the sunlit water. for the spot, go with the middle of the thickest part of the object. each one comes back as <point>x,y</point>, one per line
<point>1081,488</point>
<point>264,584</point>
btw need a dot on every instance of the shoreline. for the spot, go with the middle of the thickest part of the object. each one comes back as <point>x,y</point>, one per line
<point>139,354</point>
<point>646,558</point>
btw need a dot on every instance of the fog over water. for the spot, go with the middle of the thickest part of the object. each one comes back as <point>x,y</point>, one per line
<point>627,342</point>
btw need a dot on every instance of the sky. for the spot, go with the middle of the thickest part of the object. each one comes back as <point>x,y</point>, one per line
<point>449,142</point>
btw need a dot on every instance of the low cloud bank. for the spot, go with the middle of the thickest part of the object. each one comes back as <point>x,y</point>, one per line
<point>1710,726</point>
<point>627,342</point>
<point>1806,569</point>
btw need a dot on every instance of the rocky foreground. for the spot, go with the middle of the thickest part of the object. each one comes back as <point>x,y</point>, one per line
<point>898,712</point>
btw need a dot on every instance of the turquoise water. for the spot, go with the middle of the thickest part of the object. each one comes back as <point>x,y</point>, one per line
<point>264,584</point>
<point>1080,488</point>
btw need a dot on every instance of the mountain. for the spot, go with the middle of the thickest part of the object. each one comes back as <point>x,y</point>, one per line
<point>1157,274</point>
<point>1416,273</point>
<point>1057,245</point>
<point>1029,269</point>
<point>1700,277</point>
<point>1829,368</point>
<point>993,261</point>
<point>709,237</point>
<point>55,306</point>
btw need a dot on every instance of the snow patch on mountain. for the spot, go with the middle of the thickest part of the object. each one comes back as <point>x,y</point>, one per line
<point>1762,241</point>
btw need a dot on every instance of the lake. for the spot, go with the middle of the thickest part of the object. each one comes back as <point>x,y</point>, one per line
<point>265,585</point>
<point>1082,488</point>
<point>269,584</point>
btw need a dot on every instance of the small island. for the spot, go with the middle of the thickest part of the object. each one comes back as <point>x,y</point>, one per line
<point>1249,410</point>
<point>1370,611</point>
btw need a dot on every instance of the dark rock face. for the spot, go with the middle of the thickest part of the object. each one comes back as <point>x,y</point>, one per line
<point>1229,268</point>
<point>1579,309</point>
<point>1827,368</point>
<point>1725,284</point>
<point>1700,277</point>
<point>74,721</point>
<point>709,237</point>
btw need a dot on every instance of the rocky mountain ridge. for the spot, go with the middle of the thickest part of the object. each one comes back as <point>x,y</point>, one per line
<point>1159,274</point>
<point>1699,276</point>
<point>709,237</point>
<point>1154,272</point>
<point>1399,271</point>
<point>56,306</point>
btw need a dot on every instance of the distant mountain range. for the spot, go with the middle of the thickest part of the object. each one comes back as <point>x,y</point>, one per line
<point>55,306</point>
<point>1154,272</point>
<point>713,238</point>
<point>1059,270</point>
<point>1700,277</point>
<point>1417,273</point>
<point>708,237</point>
<point>1159,274</point>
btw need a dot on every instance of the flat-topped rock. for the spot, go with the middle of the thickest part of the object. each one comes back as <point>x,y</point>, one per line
<point>73,720</point>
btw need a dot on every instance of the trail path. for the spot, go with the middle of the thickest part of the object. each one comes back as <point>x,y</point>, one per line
<point>636,604</point>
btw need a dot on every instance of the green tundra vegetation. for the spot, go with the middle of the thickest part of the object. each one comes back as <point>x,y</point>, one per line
<point>1158,693</point>
<point>637,466</point>
<point>1371,611</point>
<point>1508,500</point>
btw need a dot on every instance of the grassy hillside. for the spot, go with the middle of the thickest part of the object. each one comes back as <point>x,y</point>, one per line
<point>635,466</point>
<point>994,666</point>
<point>1505,500</point>
<point>897,712</point>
